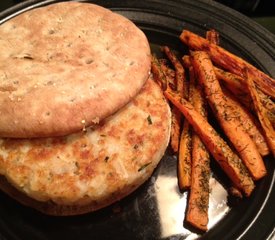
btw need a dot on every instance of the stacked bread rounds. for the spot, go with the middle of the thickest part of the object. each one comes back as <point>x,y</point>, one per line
<point>66,66</point>
<point>79,113</point>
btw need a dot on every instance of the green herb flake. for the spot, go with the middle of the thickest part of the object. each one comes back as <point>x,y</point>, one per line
<point>144,166</point>
<point>149,119</point>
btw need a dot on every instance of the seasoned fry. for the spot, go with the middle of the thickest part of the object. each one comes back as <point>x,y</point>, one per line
<point>169,72</point>
<point>229,61</point>
<point>249,123</point>
<point>180,73</point>
<point>197,212</point>
<point>160,76</point>
<point>261,112</point>
<point>158,73</point>
<point>186,61</point>
<point>213,36</point>
<point>179,77</point>
<point>184,157</point>
<point>238,86</point>
<point>175,129</point>
<point>228,160</point>
<point>176,115</point>
<point>233,82</point>
<point>234,89</point>
<point>235,85</point>
<point>224,112</point>
<point>269,105</point>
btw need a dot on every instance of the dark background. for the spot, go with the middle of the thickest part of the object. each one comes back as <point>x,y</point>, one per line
<point>261,11</point>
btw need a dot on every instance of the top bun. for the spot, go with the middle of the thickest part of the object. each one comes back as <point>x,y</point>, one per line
<point>66,66</point>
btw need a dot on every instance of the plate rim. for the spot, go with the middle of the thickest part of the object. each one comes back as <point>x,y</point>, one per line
<point>252,28</point>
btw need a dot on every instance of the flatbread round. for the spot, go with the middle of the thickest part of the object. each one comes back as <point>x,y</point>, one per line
<point>65,66</point>
<point>89,170</point>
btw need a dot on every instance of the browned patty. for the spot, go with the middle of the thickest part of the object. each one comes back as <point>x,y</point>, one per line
<point>89,170</point>
<point>65,66</point>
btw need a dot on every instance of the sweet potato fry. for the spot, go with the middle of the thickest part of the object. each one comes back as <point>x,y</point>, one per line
<point>175,129</point>
<point>238,86</point>
<point>176,115</point>
<point>186,61</point>
<point>249,123</point>
<point>227,159</point>
<point>184,157</point>
<point>169,72</point>
<point>261,112</point>
<point>213,37</point>
<point>179,71</point>
<point>180,79</point>
<point>269,106</point>
<point>158,73</point>
<point>197,212</point>
<point>228,61</point>
<point>232,81</point>
<point>160,76</point>
<point>224,112</point>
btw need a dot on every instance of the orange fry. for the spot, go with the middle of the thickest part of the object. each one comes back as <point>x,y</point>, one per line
<point>197,212</point>
<point>184,157</point>
<point>224,112</point>
<point>179,71</point>
<point>169,72</point>
<point>261,112</point>
<point>228,61</point>
<point>249,123</point>
<point>227,159</point>
<point>160,76</point>
<point>233,82</point>
<point>213,37</point>
<point>158,73</point>
<point>175,129</point>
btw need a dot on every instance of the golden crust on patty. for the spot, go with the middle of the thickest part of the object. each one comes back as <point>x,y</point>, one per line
<point>86,171</point>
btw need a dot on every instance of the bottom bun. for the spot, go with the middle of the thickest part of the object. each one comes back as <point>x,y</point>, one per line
<point>54,209</point>
<point>86,171</point>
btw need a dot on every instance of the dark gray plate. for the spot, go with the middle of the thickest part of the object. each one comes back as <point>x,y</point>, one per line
<point>156,210</point>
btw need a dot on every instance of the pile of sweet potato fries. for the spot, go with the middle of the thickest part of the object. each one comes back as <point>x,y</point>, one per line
<point>240,97</point>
